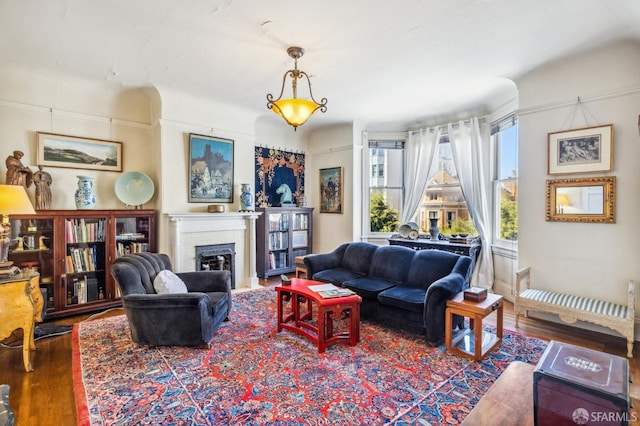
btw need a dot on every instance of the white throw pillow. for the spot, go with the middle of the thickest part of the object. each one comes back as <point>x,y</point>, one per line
<point>166,282</point>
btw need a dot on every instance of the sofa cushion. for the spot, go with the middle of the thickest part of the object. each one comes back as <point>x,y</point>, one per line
<point>368,287</point>
<point>336,276</point>
<point>405,297</point>
<point>357,257</point>
<point>429,266</point>
<point>166,282</point>
<point>391,263</point>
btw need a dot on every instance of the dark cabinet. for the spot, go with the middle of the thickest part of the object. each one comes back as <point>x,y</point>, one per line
<point>467,249</point>
<point>283,233</point>
<point>73,251</point>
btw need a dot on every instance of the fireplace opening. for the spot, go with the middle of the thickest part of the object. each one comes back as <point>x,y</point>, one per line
<point>216,257</point>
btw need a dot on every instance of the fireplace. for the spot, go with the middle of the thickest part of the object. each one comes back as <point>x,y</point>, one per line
<point>215,257</point>
<point>189,230</point>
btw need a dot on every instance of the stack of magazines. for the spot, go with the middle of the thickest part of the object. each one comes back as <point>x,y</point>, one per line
<point>330,290</point>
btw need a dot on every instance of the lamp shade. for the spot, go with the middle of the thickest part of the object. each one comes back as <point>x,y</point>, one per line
<point>295,111</point>
<point>14,200</point>
<point>562,200</point>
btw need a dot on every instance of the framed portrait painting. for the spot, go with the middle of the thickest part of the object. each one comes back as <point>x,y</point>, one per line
<point>210,169</point>
<point>79,153</point>
<point>586,150</point>
<point>331,190</point>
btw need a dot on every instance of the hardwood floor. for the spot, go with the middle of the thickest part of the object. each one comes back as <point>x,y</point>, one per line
<point>45,396</point>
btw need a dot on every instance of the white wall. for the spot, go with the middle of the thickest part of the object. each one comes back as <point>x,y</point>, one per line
<point>39,101</point>
<point>595,260</point>
<point>332,147</point>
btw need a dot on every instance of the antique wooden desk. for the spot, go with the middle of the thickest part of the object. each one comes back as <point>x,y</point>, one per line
<point>319,328</point>
<point>20,307</point>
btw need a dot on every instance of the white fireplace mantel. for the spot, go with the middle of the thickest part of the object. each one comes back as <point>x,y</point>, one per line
<point>191,229</point>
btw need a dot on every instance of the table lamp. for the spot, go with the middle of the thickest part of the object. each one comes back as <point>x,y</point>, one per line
<point>13,200</point>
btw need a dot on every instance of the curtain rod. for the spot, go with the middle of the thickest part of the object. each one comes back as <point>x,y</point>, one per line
<point>445,127</point>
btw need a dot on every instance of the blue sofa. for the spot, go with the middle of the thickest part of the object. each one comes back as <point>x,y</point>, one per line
<point>400,287</point>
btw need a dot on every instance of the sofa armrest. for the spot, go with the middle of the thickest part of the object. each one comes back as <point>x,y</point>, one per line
<point>319,262</point>
<point>207,281</point>
<point>166,301</point>
<point>169,319</point>
<point>436,302</point>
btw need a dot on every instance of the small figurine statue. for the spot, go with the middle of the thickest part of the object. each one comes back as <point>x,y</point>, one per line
<point>286,196</point>
<point>43,183</point>
<point>18,173</point>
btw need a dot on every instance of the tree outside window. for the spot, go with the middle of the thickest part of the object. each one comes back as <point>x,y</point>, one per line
<point>504,136</point>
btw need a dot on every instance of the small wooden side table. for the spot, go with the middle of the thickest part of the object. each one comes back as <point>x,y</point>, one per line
<point>482,342</point>
<point>300,267</point>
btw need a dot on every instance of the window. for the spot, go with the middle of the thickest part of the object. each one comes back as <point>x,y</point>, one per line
<point>504,139</point>
<point>443,198</point>
<point>386,189</point>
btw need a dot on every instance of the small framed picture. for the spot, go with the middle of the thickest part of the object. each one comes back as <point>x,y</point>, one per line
<point>210,169</point>
<point>79,153</point>
<point>331,190</point>
<point>586,150</point>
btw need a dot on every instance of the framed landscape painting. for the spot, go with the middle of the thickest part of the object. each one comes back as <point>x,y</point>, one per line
<point>331,190</point>
<point>210,169</point>
<point>79,153</point>
<point>586,150</point>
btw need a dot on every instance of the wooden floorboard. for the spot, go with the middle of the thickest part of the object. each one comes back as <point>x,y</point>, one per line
<point>45,396</point>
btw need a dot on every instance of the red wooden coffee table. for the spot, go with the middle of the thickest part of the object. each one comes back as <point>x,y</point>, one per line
<point>301,319</point>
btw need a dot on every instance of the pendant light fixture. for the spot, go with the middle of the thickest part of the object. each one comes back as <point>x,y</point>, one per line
<point>295,111</point>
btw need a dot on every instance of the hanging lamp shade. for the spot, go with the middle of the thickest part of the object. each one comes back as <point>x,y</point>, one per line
<point>295,111</point>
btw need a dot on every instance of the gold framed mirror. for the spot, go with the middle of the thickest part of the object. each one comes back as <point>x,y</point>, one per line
<point>589,200</point>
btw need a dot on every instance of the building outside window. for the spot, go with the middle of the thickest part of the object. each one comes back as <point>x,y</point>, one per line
<point>386,186</point>
<point>444,198</point>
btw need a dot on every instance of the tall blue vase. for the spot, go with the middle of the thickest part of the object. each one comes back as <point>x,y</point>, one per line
<point>246,198</point>
<point>85,195</point>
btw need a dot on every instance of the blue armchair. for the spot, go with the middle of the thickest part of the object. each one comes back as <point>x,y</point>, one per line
<point>183,319</point>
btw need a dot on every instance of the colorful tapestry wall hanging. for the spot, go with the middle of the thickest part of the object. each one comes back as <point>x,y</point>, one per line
<point>275,169</point>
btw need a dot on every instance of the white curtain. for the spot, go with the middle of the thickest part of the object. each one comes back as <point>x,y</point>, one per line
<point>469,158</point>
<point>420,149</point>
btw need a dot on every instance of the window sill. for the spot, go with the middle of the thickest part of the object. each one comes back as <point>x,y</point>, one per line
<point>505,250</point>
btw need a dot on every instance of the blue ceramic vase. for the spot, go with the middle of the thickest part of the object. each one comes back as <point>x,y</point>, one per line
<point>85,195</point>
<point>246,198</point>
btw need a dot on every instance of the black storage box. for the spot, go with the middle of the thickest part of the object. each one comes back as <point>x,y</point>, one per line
<point>475,294</point>
<point>574,385</point>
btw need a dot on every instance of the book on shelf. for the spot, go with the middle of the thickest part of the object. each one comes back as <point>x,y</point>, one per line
<point>130,247</point>
<point>81,259</point>
<point>79,231</point>
<point>79,294</point>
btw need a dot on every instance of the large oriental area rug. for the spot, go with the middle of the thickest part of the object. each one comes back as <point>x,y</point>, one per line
<point>254,376</point>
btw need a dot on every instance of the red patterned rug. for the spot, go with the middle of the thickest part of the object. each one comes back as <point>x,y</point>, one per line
<point>254,376</point>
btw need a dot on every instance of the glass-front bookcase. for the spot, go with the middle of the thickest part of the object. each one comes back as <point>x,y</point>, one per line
<point>73,251</point>
<point>282,234</point>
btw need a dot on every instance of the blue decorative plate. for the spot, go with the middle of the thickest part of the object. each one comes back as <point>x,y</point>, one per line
<point>134,188</point>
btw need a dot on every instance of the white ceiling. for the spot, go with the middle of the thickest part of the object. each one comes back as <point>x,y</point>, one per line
<point>403,61</point>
